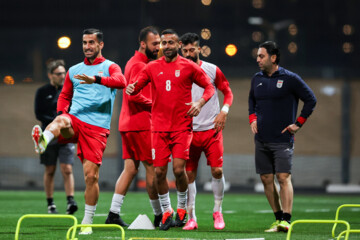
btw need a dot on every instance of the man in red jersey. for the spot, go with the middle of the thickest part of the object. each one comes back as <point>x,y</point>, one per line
<point>89,88</point>
<point>134,127</point>
<point>208,126</point>
<point>171,79</point>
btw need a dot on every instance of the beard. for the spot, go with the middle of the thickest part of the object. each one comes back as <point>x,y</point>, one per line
<point>194,59</point>
<point>171,54</point>
<point>151,54</point>
<point>93,56</point>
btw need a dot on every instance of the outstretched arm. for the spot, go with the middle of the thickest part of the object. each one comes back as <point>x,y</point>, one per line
<point>115,80</point>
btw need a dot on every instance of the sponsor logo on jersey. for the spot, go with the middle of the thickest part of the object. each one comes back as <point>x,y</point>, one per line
<point>279,83</point>
<point>49,97</point>
<point>100,73</point>
<point>260,84</point>
<point>160,73</point>
<point>177,73</point>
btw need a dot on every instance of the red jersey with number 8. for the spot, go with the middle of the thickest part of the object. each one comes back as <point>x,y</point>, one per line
<point>171,84</point>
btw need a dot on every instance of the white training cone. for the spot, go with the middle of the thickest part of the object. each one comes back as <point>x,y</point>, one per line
<point>142,222</point>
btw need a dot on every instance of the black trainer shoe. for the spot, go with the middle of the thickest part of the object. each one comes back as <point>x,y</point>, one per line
<point>167,221</point>
<point>52,209</point>
<point>157,220</point>
<point>114,218</point>
<point>180,218</point>
<point>71,208</point>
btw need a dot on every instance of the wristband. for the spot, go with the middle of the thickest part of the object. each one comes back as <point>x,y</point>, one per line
<point>298,124</point>
<point>97,79</point>
<point>225,109</point>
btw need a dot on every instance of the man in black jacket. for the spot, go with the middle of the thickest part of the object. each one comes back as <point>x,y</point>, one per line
<point>273,103</point>
<point>45,110</point>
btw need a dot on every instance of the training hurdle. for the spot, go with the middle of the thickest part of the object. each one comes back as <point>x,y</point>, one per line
<point>346,232</point>
<point>17,231</point>
<point>73,229</point>
<point>337,217</point>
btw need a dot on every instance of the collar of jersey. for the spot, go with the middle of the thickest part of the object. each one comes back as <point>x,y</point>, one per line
<point>96,61</point>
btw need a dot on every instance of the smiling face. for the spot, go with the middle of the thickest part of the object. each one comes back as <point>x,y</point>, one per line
<point>91,46</point>
<point>170,46</point>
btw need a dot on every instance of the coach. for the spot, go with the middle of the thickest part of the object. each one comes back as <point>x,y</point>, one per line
<point>273,103</point>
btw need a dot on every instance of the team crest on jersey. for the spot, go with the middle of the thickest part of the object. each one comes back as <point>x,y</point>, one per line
<point>177,73</point>
<point>279,83</point>
<point>100,73</point>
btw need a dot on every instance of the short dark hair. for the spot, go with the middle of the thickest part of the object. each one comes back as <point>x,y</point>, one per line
<point>53,64</point>
<point>145,31</point>
<point>99,34</point>
<point>190,38</point>
<point>169,31</point>
<point>272,49</point>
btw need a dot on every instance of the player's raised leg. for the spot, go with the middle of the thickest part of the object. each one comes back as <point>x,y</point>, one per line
<point>61,124</point>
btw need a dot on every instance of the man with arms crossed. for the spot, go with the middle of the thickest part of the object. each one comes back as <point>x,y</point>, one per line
<point>273,104</point>
<point>45,110</point>
<point>171,79</point>
<point>207,136</point>
<point>90,89</point>
<point>134,127</point>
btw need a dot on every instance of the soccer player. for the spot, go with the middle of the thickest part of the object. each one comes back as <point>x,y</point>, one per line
<point>134,127</point>
<point>171,79</point>
<point>207,136</point>
<point>45,110</point>
<point>84,109</point>
<point>273,103</point>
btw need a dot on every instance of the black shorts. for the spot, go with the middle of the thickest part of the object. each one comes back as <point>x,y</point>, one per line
<point>63,152</point>
<point>273,157</point>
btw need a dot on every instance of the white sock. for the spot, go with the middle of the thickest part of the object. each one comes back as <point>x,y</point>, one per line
<point>48,136</point>
<point>165,202</point>
<point>156,206</point>
<point>218,190</point>
<point>89,214</point>
<point>191,200</point>
<point>182,199</point>
<point>116,203</point>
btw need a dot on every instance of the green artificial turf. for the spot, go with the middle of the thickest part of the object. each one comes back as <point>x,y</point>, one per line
<point>245,215</point>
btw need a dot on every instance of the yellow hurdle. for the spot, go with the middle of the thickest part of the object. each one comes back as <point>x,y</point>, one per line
<point>17,231</point>
<point>337,216</point>
<point>73,229</point>
<point>346,232</point>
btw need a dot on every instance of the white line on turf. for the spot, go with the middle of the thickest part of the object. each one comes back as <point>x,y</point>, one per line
<point>317,210</point>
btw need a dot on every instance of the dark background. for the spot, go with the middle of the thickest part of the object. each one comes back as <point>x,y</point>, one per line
<point>30,30</point>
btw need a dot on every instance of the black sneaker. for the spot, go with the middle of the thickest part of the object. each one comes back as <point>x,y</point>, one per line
<point>71,208</point>
<point>114,218</point>
<point>157,220</point>
<point>180,218</point>
<point>52,209</point>
<point>167,221</point>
